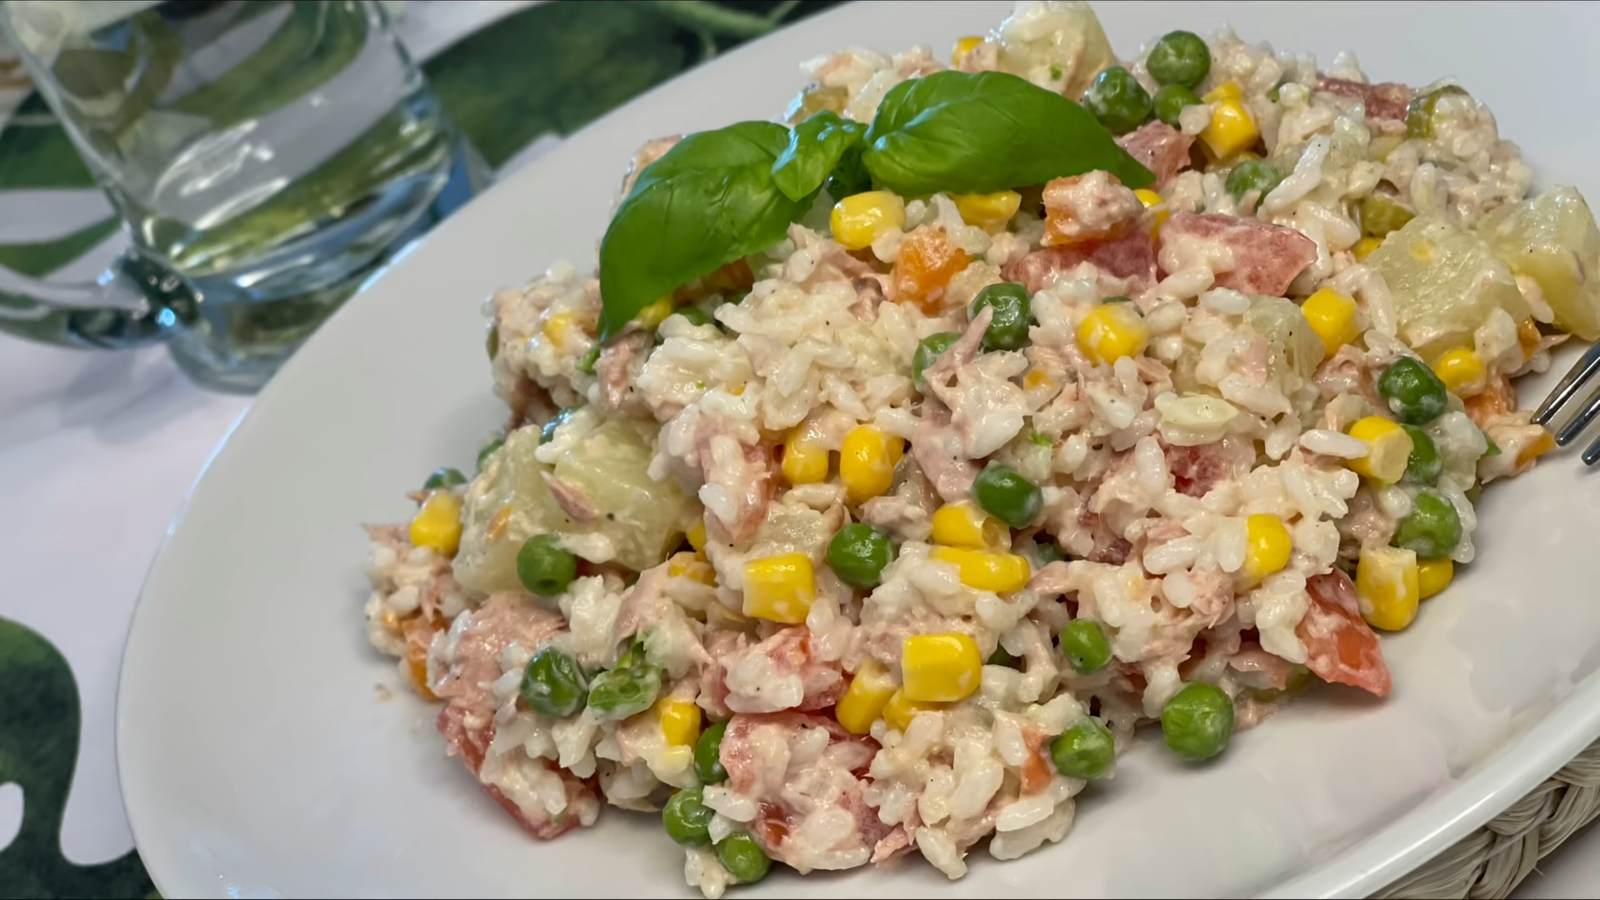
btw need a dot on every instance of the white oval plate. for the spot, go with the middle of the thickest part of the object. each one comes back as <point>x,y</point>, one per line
<point>259,757</point>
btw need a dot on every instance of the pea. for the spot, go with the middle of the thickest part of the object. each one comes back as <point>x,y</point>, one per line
<point>543,567</point>
<point>1083,751</point>
<point>553,684</point>
<point>1253,175</point>
<point>1002,658</point>
<point>1008,327</point>
<point>1381,214</point>
<point>625,690</point>
<point>1084,644</point>
<point>1118,100</point>
<point>1414,393</point>
<point>1048,553</point>
<point>708,755</point>
<point>444,478</point>
<point>488,450</point>
<point>858,554</point>
<point>1425,465</point>
<point>928,351</point>
<point>1420,111</point>
<point>1198,722</point>
<point>548,432</point>
<point>1002,493</point>
<point>694,314</point>
<point>1180,57</point>
<point>492,343</point>
<point>1433,529</point>
<point>1172,100</point>
<point>687,818</point>
<point>586,362</point>
<point>743,858</point>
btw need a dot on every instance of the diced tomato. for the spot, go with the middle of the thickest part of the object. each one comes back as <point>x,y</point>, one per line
<point>1340,646</point>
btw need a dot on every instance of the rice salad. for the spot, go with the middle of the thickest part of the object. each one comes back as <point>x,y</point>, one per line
<point>879,509</point>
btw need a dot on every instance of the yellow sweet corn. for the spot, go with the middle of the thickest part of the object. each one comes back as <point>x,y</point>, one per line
<point>867,461</point>
<point>1332,316</point>
<point>779,588</point>
<point>557,328</point>
<point>940,668</point>
<point>1267,545</point>
<point>1388,449</point>
<point>804,460</point>
<point>863,702</point>
<point>437,524</point>
<point>1462,372</point>
<point>1038,379</point>
<point>1228,90</point>
<point>680,721</point>
<point>655,313</point>
<point>1151,199</point>
<point>693,566</point>
<point>1001,573</point>
<point>990,212</point>
<point>859,219</point>
<point>1230,130</point>
<point>1434,575</point>
<point>697,536</point>
<point>900,711</point>
<point>1111,331</point>
<point>1365,246</point>
<point>1387,586</point>
<point>962,48</point>
<point>963,524</point>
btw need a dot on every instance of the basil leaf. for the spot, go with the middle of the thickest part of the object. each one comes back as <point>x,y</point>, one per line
<point>708,201</point>
<point>965,133</point>
<point>815,148</point>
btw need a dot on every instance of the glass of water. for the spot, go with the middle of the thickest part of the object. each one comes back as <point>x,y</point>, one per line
<point>265,156</point>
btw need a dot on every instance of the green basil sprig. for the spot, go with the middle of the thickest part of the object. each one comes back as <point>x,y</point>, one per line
<point>816,147</point>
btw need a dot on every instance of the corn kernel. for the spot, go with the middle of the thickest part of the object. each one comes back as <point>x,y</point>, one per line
<point>940,668</point>
<point>1462,372</point>
<point>1528,337</point>
<point>901,711</point>
<point>965,525</point>
<point>990,212</point>
<point>680,721</point>
<point>1267,545</point>
<point>983,570</point>
<point>1388,449</point>
<point>863,702</point>
<point>867,461</point>
<point>1387,587</point>
<point>779,588</point>
<point>1037,380</point>
<point>1228,90</point>
<point>1153,200</point>
<point>859,219</point>
<point>1365,246</point>
<point>1230,130</point>
<point>1332,316</point>
<point>1111,331</point>
<point>656,313</point>
<point>804,460</point>
<point>697,536</point>
<point>962,48</point>
<point>1434,575</point>
<point>437,525</point>
<point>692,566</point>
<point>557,327</point>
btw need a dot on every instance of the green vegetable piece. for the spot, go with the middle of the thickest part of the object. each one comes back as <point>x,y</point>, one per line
<point>1253,175</point>
<point>586,363</point>
<point>815,148</point>
<point>708,755</point>
<point>1008,327</point>
<point>543,567</point>
<point>554,684</point>
<point>1180,57</point>
<point>1198,722</point>
<point>488,451</point>
<point>1120,299</point>
<point>1001,658</point>
<point>1048,553</point>
<point>1425,465</point>
<point>1006,495</point>
<point>1433,529</point>
<point>1381,214</point>
<point>548,432</point>
<point>850,176</point>
<point>1420,111</point>
<point>929,350</point>
<point>624,690</point>
<point>687,818</point>
<point>1085,750</point>
<point>965,133</point>
<point>743,858</point>
<point>695,315</point>
<point>1042,439</point>
<point>1413,392</point>
<point>858,554</point>
<point>492,343</point>
<point>1171,101</point>
<point>1494,449</point>
<point>444,478</point>
<point>1276,93</point>
<point>1118,100</point>
<point>1084,644</point>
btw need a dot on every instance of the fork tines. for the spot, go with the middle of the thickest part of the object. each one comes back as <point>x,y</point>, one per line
<point>1581,375</point>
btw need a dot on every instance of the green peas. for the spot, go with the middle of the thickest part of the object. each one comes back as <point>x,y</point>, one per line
<point>928,351</point>
<point>1083,751</point>
<point>492,343</point>
<point>1381,214</point>
<point>687,818</point>
<point>1414,393</point>
<point>543,567</point>
<point>1008,327</point>
<point>1171,101</point>
<point>1420,111</point>
<point>1002,493</point>
<point>548,432</point>
<point>1118,100</point>
<point>1433,529</point>
<point>858,554</point>
<point>553,684</point>
<point>586,363</point>
<point>444,478</point>
<point>1253,175</point>
<point>1198,722</point>
<point>708,755</point>
<point>1047,554</point>
<point>627,688</point>
<point>1084,644</point>
<point>743,858</point>
<point>488,451</point>
<point>694,314</point>
<point>1425,466</point>
<point>1002,658</point>
<point>1180,57</point>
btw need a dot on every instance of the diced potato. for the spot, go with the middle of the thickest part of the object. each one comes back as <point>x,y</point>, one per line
<point>1445,283</point>
<point>1552,239</point>
<point>1293,346</point>
<point>1059,44</point>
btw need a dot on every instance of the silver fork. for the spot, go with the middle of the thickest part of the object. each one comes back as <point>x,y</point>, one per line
<point>1581,375</point>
